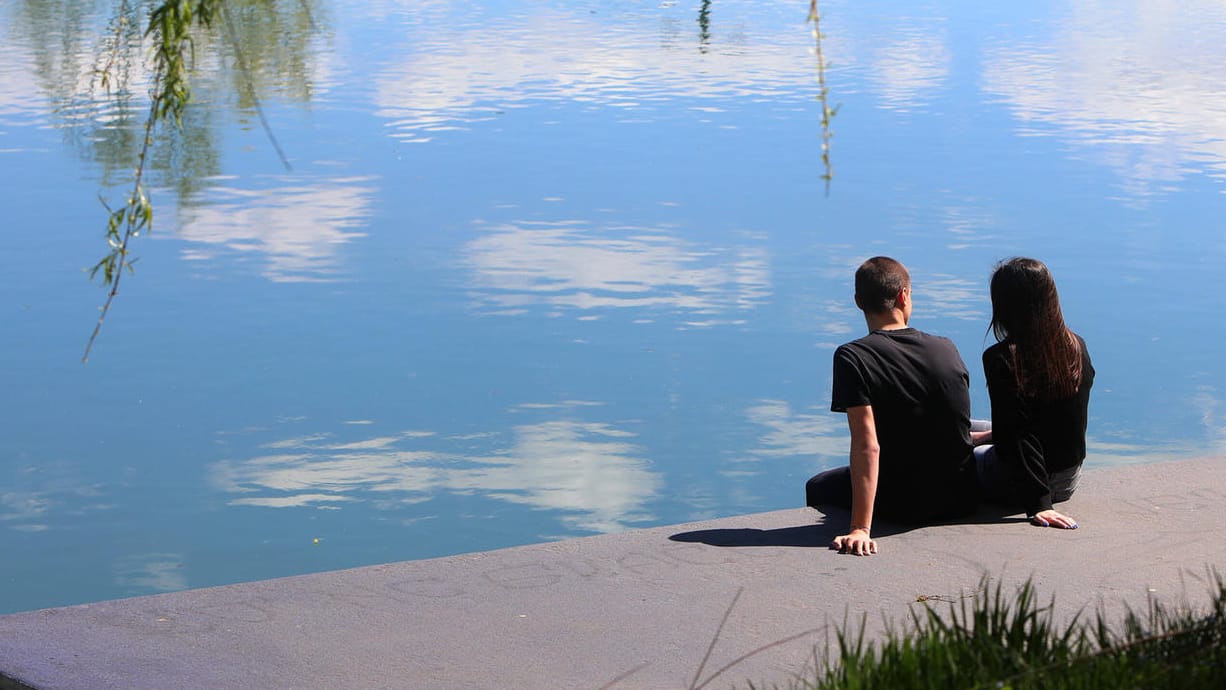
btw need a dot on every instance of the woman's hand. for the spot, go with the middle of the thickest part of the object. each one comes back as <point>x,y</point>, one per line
<point>1051,518</point>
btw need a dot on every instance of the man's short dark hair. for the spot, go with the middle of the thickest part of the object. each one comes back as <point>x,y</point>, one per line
<point>878,282</point>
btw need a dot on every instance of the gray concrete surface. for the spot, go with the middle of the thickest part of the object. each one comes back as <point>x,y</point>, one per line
<point>710,604</point>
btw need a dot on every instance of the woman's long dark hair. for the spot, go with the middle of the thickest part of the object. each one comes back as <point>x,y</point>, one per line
<point>1026,314</point>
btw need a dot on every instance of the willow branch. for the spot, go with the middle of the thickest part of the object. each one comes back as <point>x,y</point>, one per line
<point>247,82</point>
<point>823,93</point>
<point>134,216</point>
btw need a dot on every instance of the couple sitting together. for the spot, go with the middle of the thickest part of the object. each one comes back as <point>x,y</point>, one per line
<point>916,455</point>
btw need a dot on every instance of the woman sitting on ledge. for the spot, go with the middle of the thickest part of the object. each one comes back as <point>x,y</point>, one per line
<point>1039,377</point>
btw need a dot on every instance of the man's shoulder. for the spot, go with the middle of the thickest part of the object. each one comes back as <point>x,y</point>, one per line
<point>938,346</point>
<point>906,337</point>
<point>857,344</point>
<point>907,345</point>
<point>866,348</point>
<point>932,338</point>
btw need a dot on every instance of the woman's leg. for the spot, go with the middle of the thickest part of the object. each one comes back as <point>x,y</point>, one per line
<point>993,480</point>
<point>1064,483</point>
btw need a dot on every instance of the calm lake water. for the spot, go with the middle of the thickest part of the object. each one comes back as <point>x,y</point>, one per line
<point>543,270</point>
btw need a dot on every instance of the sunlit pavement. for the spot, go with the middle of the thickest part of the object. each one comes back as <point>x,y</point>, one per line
<point>707,604</point>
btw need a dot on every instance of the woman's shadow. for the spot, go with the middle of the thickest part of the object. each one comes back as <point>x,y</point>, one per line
<point>833,523</point>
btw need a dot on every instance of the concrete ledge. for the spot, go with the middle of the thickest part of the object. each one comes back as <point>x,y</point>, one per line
<point>708,604</point>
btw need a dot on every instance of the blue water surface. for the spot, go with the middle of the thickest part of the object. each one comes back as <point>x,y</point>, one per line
<point>539,270</point>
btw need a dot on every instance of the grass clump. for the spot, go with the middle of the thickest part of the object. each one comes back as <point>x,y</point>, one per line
<point>1012,643</point>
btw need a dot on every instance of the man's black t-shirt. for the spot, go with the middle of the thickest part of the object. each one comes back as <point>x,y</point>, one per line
<point>919,390</point>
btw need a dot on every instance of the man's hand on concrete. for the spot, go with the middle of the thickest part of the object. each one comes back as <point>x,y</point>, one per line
<point>858,543</point>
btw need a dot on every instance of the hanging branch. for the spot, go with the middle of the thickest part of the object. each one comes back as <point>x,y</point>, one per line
<point>250,85</point>
<point>823,93</point>
<point>110,64</point>
<point>310,16</point>
<point>170,25</point>
<point>135,216</point>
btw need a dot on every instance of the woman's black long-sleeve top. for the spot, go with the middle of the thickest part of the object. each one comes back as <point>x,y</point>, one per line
<point>1035,438</point>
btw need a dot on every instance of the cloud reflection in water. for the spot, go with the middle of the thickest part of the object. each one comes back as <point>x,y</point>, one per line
<point>910,64</point>
<point>297,230</point>
<point>459,76</point>
<point>19,94</point>
<point>24,511</point>
<point>953,297</point>
<point>798,434</point>
<point>51,496</point>
<point>564,265</point>
<point>156,572</point>
<point>587,471</point>
<point>1136,82</point>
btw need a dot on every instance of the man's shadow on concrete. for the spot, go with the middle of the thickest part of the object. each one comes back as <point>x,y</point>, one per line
<point>834,522</point>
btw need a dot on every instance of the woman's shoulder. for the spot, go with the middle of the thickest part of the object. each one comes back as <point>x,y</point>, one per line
<point>998,350</point>
<point>998,363</point>
<point>1081,345</point>
<point>1087,364</point>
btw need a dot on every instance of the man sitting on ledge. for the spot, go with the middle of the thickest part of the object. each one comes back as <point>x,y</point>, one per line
<point>907,401</point>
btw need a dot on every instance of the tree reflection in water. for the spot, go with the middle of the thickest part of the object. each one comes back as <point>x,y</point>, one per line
<point>154,49</point>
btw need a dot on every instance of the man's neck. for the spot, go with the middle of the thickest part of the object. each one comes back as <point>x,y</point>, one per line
<point>887,321</point>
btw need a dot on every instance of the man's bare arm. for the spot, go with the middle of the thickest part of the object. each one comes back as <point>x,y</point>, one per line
<point>864,462</point>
